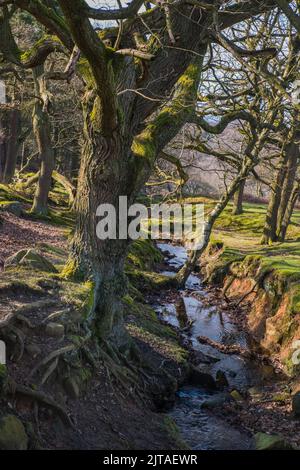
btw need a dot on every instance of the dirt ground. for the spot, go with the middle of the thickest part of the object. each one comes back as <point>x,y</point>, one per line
<point>17,233</point>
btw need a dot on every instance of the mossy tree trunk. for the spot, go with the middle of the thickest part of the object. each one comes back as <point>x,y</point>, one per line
<point>42,133</point>
<point>118,163</point>
<point>289,211</point>
<point>293,155</point>
<point>270,227</point>
<point>238,199</point>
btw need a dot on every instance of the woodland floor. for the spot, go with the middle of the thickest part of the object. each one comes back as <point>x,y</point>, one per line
<point>107,416</point>
<point>20,233</point>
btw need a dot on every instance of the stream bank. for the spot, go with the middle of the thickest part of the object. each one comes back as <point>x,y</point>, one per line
<point>220,419</point>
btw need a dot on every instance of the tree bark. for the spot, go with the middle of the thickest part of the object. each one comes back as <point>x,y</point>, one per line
<point>103,178</point>
<point>114,164</point>
<point>42,133</point>
<point>238,199</point>
<point>270,227</point>
<point>293,154</point>
<point>289,211</point>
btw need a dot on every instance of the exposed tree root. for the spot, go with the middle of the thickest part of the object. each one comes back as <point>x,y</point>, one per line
<point>44,399</point>
<point>21,340</point>
<point>21,318</point>
<point>51,369</point>
<point>53,355</point>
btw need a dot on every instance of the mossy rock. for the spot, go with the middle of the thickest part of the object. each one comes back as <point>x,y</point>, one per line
<point>31,259</point>
<point>271,442</point>
<point>14,207</point>
<point>12,434</point>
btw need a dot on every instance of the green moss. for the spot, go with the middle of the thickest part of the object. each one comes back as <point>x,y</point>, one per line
<point>29,53</point>
<point>174,433</point>
<point>147,280</point>
<point>144,254</point>
<point>71,271</point>
<point>8,194</point>
<point>85,70</point>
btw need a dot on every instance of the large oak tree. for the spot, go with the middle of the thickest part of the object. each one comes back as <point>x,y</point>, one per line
<point>141,80</point>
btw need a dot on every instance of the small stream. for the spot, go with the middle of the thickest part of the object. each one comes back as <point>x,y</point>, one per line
<point>200,428</point>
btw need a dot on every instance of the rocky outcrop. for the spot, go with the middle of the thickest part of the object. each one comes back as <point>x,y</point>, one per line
<point>30,259</point>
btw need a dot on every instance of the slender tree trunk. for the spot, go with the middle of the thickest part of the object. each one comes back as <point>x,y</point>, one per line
<point>293,154</point>
<point>189,266</point>
<point>238,199</point>
<point>12,145</point>
<point>42,133</point>
<point>289,211</point>
<point>270,228</point>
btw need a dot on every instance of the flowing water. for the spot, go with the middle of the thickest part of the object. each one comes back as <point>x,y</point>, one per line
<point>200,428</point>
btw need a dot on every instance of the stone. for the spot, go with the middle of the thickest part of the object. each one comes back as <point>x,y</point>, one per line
<point>12,434</point>
<point>32,259</point>
<point>12,207</point>
<point>236,395</point>
<point>56,330</point>
<point>221,379</point>
<point>201,379</point>
<point>296,405</point>
<point>33,350</point>
<point>270,442</point>
<point>72,388</point>
<point>216,401</point>
<point>15,258</point>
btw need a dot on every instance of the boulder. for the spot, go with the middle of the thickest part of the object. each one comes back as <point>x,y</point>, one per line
<point>12,207</point>
<point>32,259</point>
<point>296,405</point>
<point>270,442</point>
<point>12,434</point>
<point>201,379</point>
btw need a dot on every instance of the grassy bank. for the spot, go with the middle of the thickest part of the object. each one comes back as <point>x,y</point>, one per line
<point>268,276</point>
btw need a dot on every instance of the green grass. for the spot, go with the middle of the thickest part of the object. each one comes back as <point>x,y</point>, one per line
<point>241,237</point>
